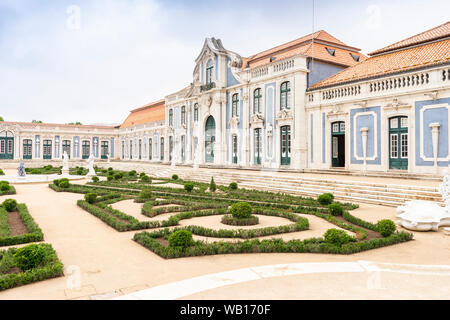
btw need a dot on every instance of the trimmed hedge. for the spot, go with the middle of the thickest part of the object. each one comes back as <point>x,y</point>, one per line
<point>6,188</point>
<point>233,221</point>
<point>325,199</point>
<point>241,210</point>
<point>49,267</point>
<point>314,245</point>
<point>386,227</point>
<point>35,233</point>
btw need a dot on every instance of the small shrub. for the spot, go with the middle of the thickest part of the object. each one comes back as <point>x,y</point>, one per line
<point>64,183</point>
<point>337,237</point>
<point>142,174</point>
<point>233,186</point>
<point>325,199</point>
<point>181,239</point>
<point>241,210</point>
<point>145,179</point>
<point>29,257</point>
<point>386,227</point>
<point>145,194</point>
<point>56,182</point>
<point>110,178</point>
<point>189,186</point>
<point>10,205</point>
<point>49,167</point>
<point>336,209</point>
<point>4,186</point>
<point>95,179</point>
<point>35,171</point>
<point>90,197</point>
<point>212,185</point>
<point>80,171</point>
<point>132,173</point>
<point>175,177</point>
<point>110,169</point>
<point>118,175</point>
<point>1,172</point>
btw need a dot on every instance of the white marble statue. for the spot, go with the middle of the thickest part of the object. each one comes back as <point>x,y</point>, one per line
<point>420,215</point>
<point>90,162</point>
<point>65,169</point>
<point>108,158</point>
<point>21,170</point>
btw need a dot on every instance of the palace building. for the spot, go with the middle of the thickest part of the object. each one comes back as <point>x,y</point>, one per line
<point>312,103</point>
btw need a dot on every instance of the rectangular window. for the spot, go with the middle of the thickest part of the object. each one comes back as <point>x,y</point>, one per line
<point>394,146</point>
<point>335,147</point>
<point>10,147</point>
<point>404,138</point>
<point>394,123</point>
<point>2,146</point>
<point>258,146</point>
<point>335,127</point>
<point>404,122</point>
<point>342,126</point>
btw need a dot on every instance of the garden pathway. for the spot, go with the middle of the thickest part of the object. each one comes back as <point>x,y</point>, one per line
<point>103,263</point>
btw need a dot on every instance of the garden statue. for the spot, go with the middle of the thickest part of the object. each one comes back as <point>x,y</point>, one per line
<point>90,162</point>
<point>65,169</point>
<point>107,157</point>
<point>420,215</point>
<point>21,169</point>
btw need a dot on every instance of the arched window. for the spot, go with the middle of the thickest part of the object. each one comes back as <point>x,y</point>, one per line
<point>162,149</point>
<point>196,112</point>
<point>285,95</point>
<point>209,71</point>
<point>183,115</point>
<point>234,108</point>
<point>170,117</point>
<point>257,101</point>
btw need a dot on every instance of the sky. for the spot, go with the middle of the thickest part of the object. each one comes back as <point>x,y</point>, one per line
<point>94,61</point>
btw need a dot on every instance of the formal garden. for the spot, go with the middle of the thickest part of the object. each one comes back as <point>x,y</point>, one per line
<point>31,263</point>
<point>234,207</point>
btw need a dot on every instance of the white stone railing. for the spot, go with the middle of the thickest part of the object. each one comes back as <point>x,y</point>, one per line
<point>274,68</point>
<point>426,80</point>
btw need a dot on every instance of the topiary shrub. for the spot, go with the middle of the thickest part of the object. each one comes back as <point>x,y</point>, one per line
<point>56,182</point>
<point>29,257</point>
<point>241,210</point>
<point>90,197</point>
<point>144,195</point>
<point>386,227</point>
<point>175,177</point>
<point>110,169</point>
<point>4,186</point>
<point>95,179</point>
<point>64,183</point>
<point>49,167</point>
<point>337,237</point>
<point>336,209</point>
<point>212,185</point>
<point>1,172</point>
<point>80,171</point>
<point>142,174</point>
<point>132,173</point>
<point>118,175</point>
<point>325,199</point>
<point>181,239</point>
<point>10,205</point>
<point>189,186</point>
<point>233,186</point>
<point>146,179</point>
<point>110,178</point>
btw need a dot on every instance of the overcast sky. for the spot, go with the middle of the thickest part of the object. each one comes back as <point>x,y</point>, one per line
<point>95,60</point>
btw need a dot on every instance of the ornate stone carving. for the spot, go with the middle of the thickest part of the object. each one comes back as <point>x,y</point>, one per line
<point>257,119</point>
<point>234,122</point>
<point>285,114</point>
<point>395,104</point>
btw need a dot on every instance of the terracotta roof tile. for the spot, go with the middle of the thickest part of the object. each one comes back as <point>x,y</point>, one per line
<point>436,33</point>
<point>411,58</point>
<point>149,113</point>
<point>304,46</point>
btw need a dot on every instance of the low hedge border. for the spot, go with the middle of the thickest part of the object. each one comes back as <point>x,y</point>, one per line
<point>35,233</point>
<point>51,269</point>
<point>228,219</point>
<point>149,211</point>
<point>314,245</point>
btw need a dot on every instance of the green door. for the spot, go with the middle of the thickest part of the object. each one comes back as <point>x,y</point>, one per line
<point>210,138</point>
<point>140,149</point>
<point>105,149</point>
<point>47,149</point>
<point>285,145</point>
<point>162,149</point>
<point>6,145</point>
<point>338,144</point>
<point>27,149</point>
<point>66,147</point>
<point>150,149</point>
<point>235,150</point>
<point>398,143</point>
<point>257,145</point>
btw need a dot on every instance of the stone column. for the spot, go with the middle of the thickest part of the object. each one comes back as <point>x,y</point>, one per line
<point>435,137</point>
<point>364,135</point>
